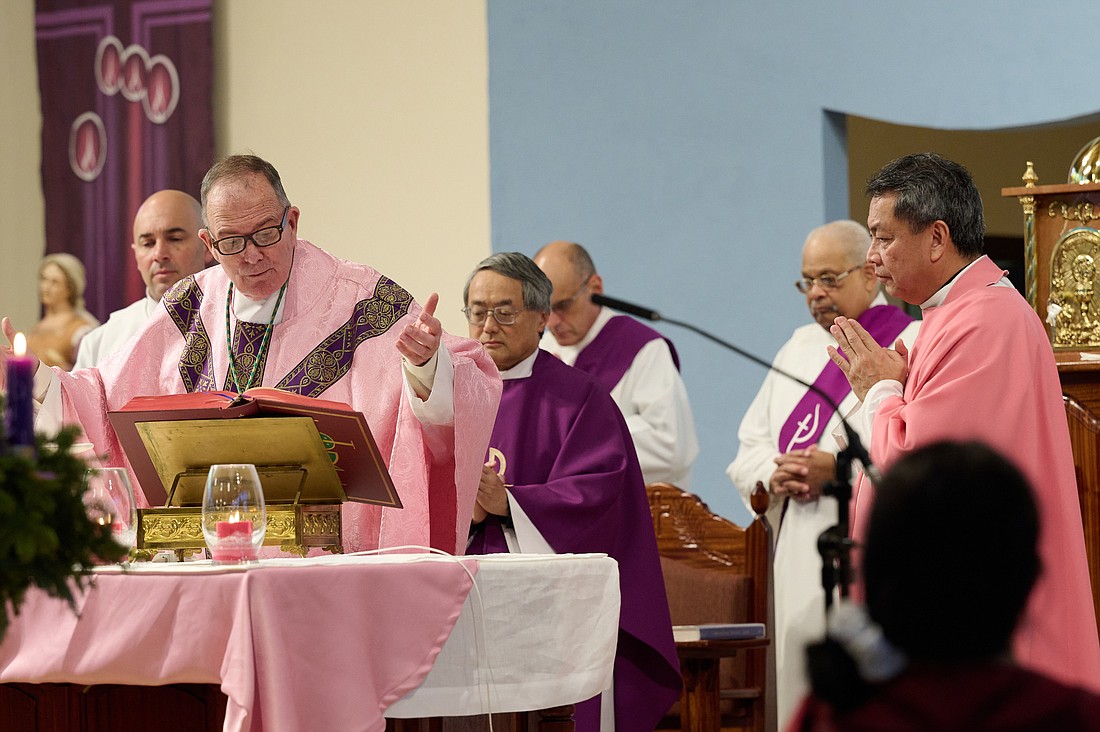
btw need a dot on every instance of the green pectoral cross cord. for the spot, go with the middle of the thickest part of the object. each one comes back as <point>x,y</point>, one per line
<point>264,344</point>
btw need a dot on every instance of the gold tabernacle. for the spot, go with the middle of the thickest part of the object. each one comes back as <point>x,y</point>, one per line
<point>301,487</point>
<point>1062,254</point>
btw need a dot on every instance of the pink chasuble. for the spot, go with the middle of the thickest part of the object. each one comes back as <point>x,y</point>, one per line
<point>336,341</point>
<point>983,369</point>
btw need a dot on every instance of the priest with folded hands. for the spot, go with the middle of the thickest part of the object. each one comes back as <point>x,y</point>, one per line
<point>281,312</point>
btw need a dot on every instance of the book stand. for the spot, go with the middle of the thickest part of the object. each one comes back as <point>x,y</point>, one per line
<point>302,488</point>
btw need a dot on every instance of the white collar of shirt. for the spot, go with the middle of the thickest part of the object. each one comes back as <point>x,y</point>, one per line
<point>941,294</point>
<point>149,303</point>
<point>569,353</point>
<point>522,369</point>
<point>257,311</point>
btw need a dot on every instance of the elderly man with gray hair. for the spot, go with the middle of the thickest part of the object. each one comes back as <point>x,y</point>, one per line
<point>562,477</point>
<point>786,436</point>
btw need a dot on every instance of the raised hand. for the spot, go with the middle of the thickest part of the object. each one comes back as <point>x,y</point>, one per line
<point>419,340</point>
<point>864,361</point>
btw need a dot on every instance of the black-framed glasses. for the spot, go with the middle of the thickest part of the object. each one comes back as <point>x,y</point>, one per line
<point>264,237</point>
<point>504,315</point>
<point>562,306</point>
<point>825,281</point>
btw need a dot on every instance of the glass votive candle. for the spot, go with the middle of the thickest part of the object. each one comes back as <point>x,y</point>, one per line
<point>234,517</point>
<point>109,500</point>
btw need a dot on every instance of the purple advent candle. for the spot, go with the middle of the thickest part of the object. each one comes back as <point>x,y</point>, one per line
<point>19,402</point>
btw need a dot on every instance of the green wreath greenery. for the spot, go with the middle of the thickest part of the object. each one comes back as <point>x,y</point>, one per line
<point>46,538</point>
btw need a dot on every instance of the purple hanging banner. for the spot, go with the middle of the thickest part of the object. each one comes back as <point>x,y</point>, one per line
<point>126,89</point>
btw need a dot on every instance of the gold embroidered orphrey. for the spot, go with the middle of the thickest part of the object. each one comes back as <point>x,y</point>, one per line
<point>1074,291</point>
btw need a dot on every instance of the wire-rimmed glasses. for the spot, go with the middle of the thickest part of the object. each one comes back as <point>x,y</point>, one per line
<point>567,303</point>
<point>503,315</point>
<point>825,281</point>
<point>264,237</point>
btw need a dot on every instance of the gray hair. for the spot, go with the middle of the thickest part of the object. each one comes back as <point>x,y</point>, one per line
<point>929,187</point>
<point>238,166</point>
<point>851,235</point>
<point>537,288</point>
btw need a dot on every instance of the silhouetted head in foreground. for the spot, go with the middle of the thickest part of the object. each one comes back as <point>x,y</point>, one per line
<point>948,563</point>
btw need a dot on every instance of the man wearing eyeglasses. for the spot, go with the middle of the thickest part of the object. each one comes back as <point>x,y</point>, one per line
<point>280,312</point>
<point>635,363</point>
<point>786,436</point>
<point>167,248</point>
<point>562,477</point>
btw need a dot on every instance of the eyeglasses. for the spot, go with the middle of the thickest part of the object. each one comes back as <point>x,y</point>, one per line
<point>562,306</point>
<point>504,315</point>
<point>264,237</point>
<point>826,282</point>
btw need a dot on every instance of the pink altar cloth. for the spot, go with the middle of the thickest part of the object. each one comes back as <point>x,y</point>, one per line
<point>302,644</point>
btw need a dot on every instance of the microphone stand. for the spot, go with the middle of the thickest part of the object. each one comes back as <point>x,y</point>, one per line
<point>835,543</point>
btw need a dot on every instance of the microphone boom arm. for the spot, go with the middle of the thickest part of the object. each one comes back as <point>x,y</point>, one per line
<point>835,544</point>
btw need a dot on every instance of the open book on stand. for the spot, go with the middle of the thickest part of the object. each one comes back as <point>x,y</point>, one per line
<point>717,631</point>
<point>312,450</point>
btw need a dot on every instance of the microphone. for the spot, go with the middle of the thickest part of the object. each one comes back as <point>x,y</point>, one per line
<point>626,307</point>
<point>858,451</point>
<point>834,543</point>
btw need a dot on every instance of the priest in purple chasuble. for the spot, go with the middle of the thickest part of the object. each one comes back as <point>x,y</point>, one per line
<point>562,476</point>
<point>786,441</point>
<point>981,369</point>
<point>280,312</point>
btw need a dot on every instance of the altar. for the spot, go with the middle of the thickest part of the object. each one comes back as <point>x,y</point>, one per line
<point>334,643</point>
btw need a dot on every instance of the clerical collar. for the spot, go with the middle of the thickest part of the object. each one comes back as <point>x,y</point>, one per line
<point>941,294</point>
<point>261,354</point>
<point>522,369</point>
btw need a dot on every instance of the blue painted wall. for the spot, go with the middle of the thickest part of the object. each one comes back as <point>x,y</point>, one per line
<point>691,145</point>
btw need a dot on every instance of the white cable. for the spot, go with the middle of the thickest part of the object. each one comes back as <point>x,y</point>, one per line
<point>481,648</point>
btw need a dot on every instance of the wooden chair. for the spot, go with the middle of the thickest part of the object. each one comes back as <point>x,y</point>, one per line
<point>717,572</point>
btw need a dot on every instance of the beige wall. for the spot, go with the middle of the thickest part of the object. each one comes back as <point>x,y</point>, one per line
<point>375,114</point>
<point>21,206</point>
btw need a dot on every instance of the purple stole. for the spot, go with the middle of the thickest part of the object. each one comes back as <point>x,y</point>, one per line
<point>321,368</point>
<point>808,419</point>
<point>610,353</point>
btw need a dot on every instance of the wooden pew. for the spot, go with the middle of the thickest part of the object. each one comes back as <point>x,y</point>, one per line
<point>715,571</point>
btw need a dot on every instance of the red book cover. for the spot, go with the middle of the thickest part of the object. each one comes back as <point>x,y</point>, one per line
<point>345,435</point>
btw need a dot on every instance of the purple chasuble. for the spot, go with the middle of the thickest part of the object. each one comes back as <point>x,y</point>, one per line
<point>611,352</point>
<point>810,416</point>
<point>563,449</point>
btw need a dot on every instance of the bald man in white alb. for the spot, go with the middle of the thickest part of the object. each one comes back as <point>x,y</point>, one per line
<point>167,248</point>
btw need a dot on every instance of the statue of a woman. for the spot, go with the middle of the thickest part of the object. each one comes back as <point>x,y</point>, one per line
<point>55,338</point>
